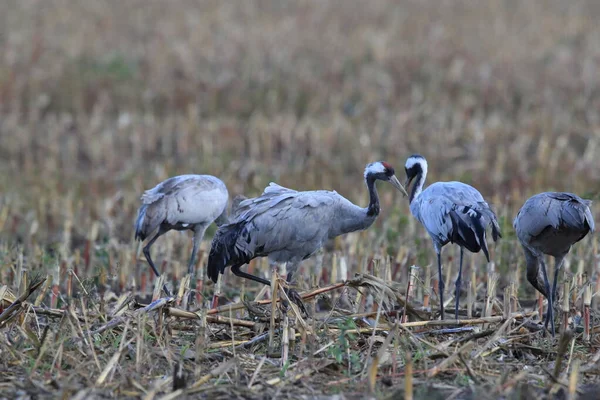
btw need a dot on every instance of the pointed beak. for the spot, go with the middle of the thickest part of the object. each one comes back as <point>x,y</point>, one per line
<point>408,181</point>
<point>396,183</point>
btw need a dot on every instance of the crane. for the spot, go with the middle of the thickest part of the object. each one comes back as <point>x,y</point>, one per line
<point>289,226</point>
<point>184,202</point>
<point>450,212</point>
<point>550,223</point>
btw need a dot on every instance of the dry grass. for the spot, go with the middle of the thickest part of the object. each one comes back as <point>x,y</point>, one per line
<point>101,100</point>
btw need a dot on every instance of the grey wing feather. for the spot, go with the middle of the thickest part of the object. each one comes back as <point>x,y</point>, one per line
<point>461,194</point>
<point>279,220</point>
<point>177,183</point>
<point>555,209</point>
<point>575,210</point>
<point>166,202</point>
<point>434,214</point>
<point>274,188</point>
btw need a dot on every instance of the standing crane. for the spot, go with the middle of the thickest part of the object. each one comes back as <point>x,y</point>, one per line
<point>289,226</point>
<point>184,202</point>
<point>451,212</point>
<point>550,223</point>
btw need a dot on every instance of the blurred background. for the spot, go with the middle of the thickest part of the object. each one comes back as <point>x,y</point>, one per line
<point>102,100</point>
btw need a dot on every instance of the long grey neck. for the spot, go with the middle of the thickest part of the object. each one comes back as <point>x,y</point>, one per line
<point>418,186</point>
<point>532,261</point>
<point>373,209</point>
<point>350,218</point>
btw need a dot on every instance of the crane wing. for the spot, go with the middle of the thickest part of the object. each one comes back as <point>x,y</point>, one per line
<point>446,222</point>
<point>182,185</point>
<point>434,214</point>
<point>279,220</point>
<point>553,209</point>
<point>461,194</point>
<point>180,199</point>
<point>457,192</point>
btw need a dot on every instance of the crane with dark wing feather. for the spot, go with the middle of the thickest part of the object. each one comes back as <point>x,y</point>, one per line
<point>289,226</point>
<point>451,212</point>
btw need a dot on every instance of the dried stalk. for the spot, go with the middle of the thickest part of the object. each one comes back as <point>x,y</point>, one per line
<point>408,379</point>
<point>507,303</point>
<point>16,305</point>
<point>427,287</point>
<point>564,341</point>
<point>587,301</point>
<point>565,305</point>
<point>305,296</point>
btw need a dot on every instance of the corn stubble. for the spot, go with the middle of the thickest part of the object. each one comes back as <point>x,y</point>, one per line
<point>95,108</point>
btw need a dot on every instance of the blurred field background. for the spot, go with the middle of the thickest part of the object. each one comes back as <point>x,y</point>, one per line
<point>102,100</point>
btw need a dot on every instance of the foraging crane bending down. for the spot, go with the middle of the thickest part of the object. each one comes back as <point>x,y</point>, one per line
<point>290,226</point>
<point>550,223</point>
<point>451,212</point>
<point>185,202</point>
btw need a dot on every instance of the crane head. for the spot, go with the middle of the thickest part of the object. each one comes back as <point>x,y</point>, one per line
<point>385,172</point>
<point>415,165</point>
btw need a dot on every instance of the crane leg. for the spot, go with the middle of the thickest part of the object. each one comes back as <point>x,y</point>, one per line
<point>294,295</point>
<point>557,265</point>
<point>458,283</point>
<point>237,272</point>
<point>146,250</point>
<point>198,235</point>
<point>550,313</point>
<point>440,284</point>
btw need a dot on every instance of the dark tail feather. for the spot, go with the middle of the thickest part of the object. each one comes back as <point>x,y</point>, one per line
<point>468,230</point>
<point>496,234</point>
<point>139,223</point>
<point>223,252</point>
<point>496,231</point>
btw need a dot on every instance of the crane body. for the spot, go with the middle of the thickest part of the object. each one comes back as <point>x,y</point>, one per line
<point>184,202</point>
<point>450,212</point>
<point>550,223</point>
<point>289,226</point>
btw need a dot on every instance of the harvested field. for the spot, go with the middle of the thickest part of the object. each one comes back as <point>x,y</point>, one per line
<point>102,100</point>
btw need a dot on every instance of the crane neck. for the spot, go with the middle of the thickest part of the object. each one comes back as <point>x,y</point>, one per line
<point>418,186</point>
<point>373,209</point>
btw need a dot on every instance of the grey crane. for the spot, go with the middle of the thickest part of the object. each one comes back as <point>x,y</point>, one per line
<point>451,212</point>
<point>184,202</point>
<point>550,223</point>
<point>289,226</point>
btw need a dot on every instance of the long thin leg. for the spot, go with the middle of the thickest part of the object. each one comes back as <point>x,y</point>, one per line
<point>237,272</point>
<point>146,250</point>
<point>440,283</point>
<point>292,294</point>
<point>458,282</point>
<point>549,314</point>
<point>198,235</point>
<point>558,261</point>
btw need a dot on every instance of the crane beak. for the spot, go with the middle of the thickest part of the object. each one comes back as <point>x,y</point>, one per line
<point>408,181</point>
<point>396,183</point>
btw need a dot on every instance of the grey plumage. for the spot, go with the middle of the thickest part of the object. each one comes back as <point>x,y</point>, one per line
<point>451,212</point>
<point>290,226</point>
<point>550,223</point>
<point>185,202</point>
